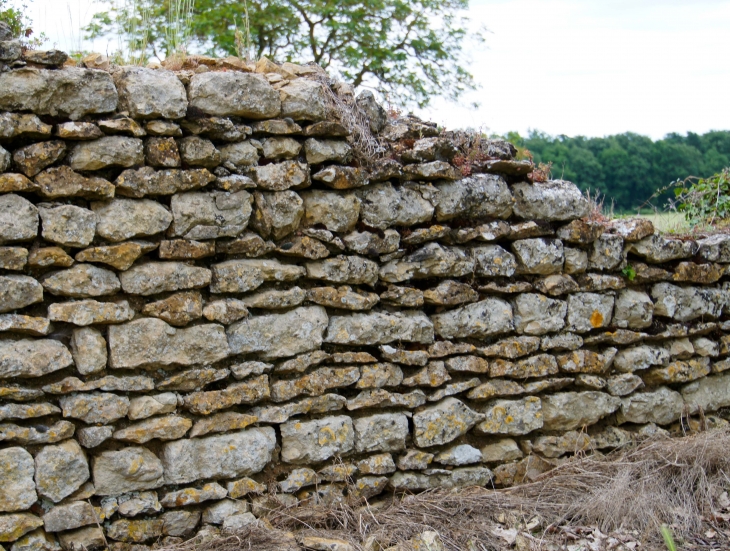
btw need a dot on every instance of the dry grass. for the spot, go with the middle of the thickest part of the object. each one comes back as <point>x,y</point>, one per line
<point>617,501</point>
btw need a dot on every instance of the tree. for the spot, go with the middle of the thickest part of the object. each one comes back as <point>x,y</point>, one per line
<point>628,168</point>
<point>409,50</point>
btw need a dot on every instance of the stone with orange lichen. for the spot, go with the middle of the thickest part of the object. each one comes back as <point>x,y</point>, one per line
<point>443,422</point>
<point>678,372</point>
<point>587,361</point>
<point>433,375</point>
<point>120,256</point>
<point>246,392</point>
<point>513,417</point>
<point>314,441</point>
<point>178,309</point>
<point>314,383</point>
<point>193,496</point>
<point>170,427</point>
<point>588,311</point>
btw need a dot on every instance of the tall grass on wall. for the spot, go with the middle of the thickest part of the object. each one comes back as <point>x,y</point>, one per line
<point>179,24</point>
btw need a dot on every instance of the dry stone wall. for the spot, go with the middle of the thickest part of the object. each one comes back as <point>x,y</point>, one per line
<point>210,306</point>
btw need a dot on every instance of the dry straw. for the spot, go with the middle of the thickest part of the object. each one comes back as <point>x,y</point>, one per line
<point>680,483</point>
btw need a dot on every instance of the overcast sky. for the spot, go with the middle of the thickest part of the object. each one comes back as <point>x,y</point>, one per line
<point>574,67</point>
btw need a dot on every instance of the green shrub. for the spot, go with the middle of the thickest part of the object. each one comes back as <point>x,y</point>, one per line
<point>705,201</point>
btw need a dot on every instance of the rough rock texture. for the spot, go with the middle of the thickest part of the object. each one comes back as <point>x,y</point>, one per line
<point>211,291</point>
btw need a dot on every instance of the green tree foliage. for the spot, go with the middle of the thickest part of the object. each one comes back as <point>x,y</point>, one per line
<point>410,50</point>
<point>629,168</point>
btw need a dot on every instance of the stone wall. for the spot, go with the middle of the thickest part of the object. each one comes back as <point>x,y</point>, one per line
<point>211,304</point>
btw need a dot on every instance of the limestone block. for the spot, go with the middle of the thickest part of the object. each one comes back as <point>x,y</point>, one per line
<point>226,456</point>
<point>152,278</point>
<point>715,248</point>
<point>88,348</point>
<point>657,249</point>
<point>573,410</point>
<point>319,151</point>
<point>493,261</point>
<point>150,342</point>
<point>442,422</point>
<point>277,214</point>
<point>14,526</point>
<point>431,260</point>
<point>633,310</point>
<point>218,512</point>
<point>170,427</point>
<point>338,212</point>
<point>18,219</point>
<point>344,269</point>
<point>135,531</point>
<point>196,151</point>
<point>33,158</point>
<point>606,253</point>
<point>126,470</point>
<point>72,92</point>
<point>661,406</point>
<point>235,94</point>
<point>62,181</point>
<point>60,470</point>
<point>501,451</point>
<point>640,357</point>
<point>239,155</point>
<point>341,177</point>
<point>90,537</point>
<point>303,100</point>
<point>552,200</point>
<point>315,441</point>
<point>488,317</point>
<point>686,303</point>
<point>386,432</point>
<point>384,205</point>
<point>82,281</point>
<point>69,516</point>
<point>710,393</point>
<point>147,181</point>
<point>107,152</point>
<point>91,437</point>
<point>282,176</point>
<point>95,407</point>
<point>587,311</point>
<point>380,328</point>
<point>512,417</point>
<point>478,196</point>
<point>178,309</point>
<point>121,219</point>
<point>539,256</point>
<point>32,358</point>
<point>239,276</point>
<point>88,312</point>
<point>279,335</point>
<point>536,314</point>
<point>147,406</point>
<point>192,496</point>
<point>17,488</point>
<point>150,94</point>
<point>18,291</point>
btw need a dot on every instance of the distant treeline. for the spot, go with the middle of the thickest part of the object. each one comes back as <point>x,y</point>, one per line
<point>628,168</point>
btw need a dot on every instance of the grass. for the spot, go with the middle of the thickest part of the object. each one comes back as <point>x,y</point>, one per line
<point>668,222</point>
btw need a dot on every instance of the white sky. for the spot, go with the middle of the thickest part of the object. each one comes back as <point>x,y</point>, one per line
<point>574,67</point>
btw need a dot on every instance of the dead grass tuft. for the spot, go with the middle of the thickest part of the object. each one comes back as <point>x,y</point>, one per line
<point>624,497</point>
